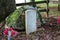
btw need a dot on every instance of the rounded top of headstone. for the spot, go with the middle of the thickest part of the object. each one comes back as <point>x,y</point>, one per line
<point>30,8</point>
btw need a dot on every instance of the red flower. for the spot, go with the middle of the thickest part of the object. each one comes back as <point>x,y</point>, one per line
<point>58,20</point>
<point>6,29</point>
<point>9,29</point>
<point>5,32</point>
<point>13,33</point>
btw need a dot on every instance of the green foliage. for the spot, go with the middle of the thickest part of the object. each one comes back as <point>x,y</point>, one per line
<point>10,20</point>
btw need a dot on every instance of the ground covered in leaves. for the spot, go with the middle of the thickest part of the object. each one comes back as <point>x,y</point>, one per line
<point>48,31</point>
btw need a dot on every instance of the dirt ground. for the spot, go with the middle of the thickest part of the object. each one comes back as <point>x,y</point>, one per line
<point>44,33</point>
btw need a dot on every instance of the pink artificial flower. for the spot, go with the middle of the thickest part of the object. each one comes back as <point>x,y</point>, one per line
<point>10,29</point>
<point>58,20</point>
<point>13,33</point>
<point>6,31</point>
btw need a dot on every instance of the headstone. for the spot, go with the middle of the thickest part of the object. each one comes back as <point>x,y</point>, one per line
<point>30,16</point>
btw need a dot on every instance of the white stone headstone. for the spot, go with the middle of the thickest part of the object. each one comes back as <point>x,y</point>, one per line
<point>30,16</point>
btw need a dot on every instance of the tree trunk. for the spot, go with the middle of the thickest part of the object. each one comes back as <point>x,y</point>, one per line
<point>6,7</point>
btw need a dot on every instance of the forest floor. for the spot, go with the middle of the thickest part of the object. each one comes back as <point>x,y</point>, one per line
<point>44,33</point>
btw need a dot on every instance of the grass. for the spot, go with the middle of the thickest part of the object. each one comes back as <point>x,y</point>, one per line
<point>54,13</point>
<point>50,5</point>
<point>44,5</point>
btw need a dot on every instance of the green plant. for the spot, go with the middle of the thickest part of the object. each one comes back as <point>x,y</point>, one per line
<point>12,18</point>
